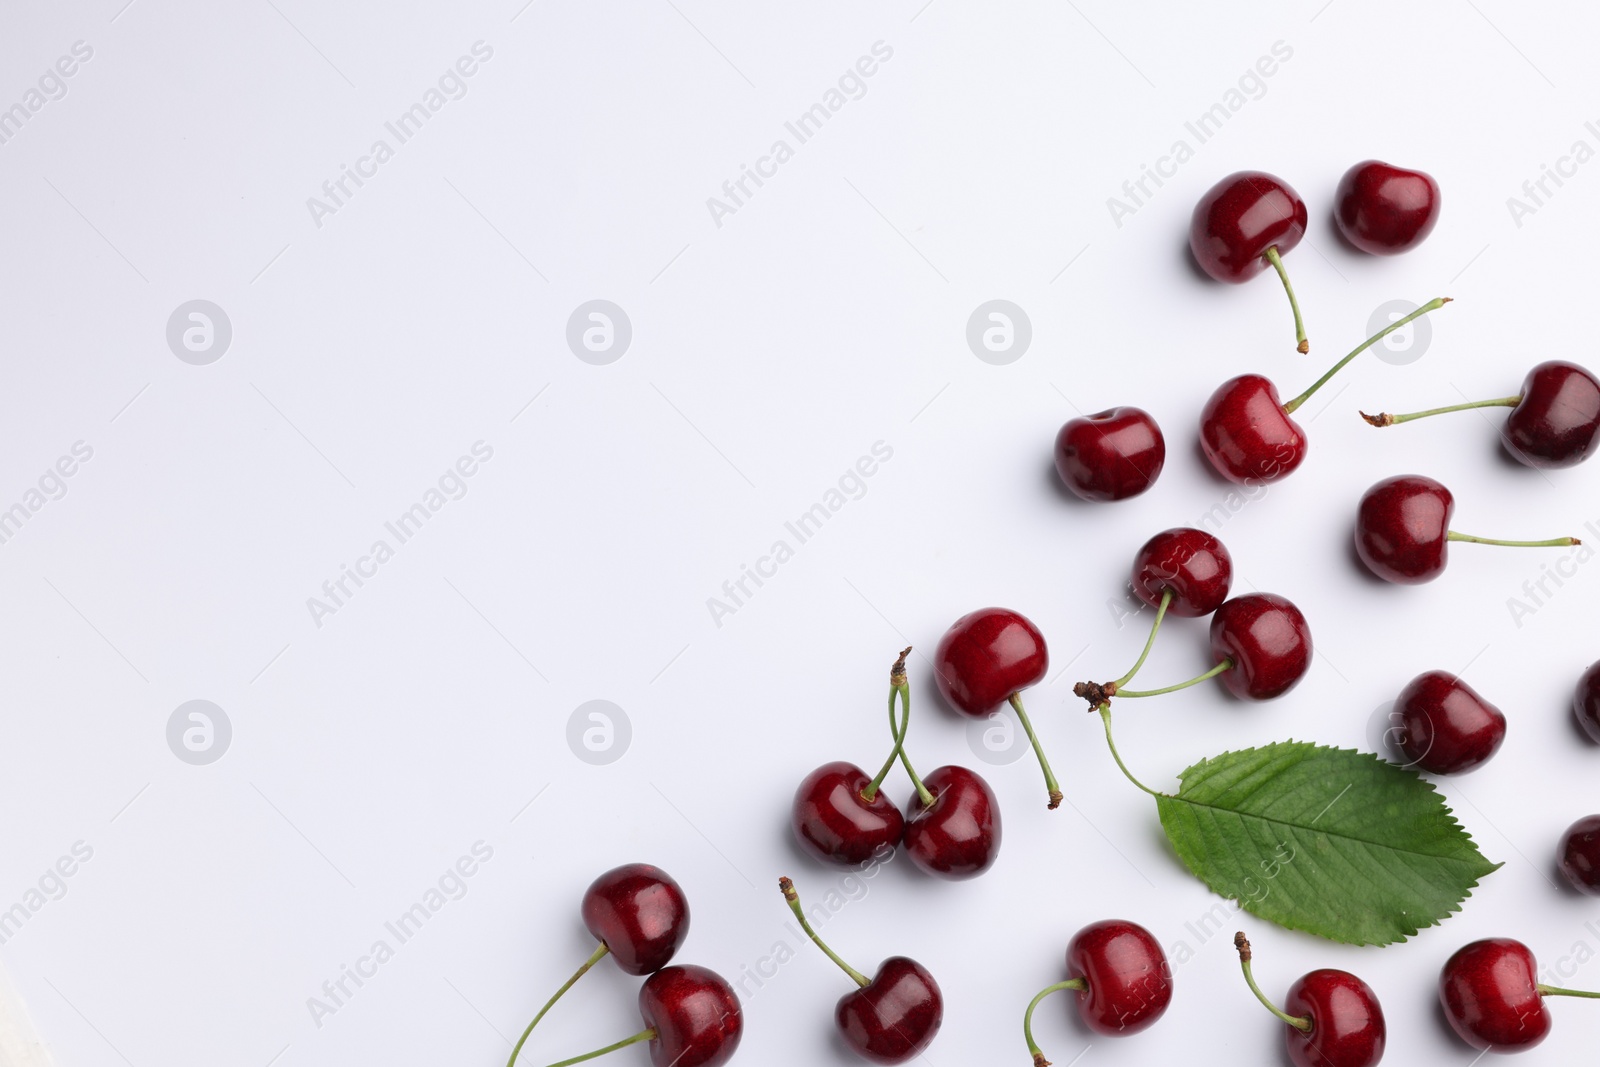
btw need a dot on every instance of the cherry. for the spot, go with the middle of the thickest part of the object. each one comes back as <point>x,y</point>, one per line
<point>1445,726</point>
<point>891,1017</point>
<point>1579,859</point>
<point>986,659</point>
<point>1402,530</point>
<point>1492,997</point>
<point>1334,1019</point>
<point>1190,564</point>
<point>1246,222</point>
<point>1553,421</point>
<point>1266,642</point>
<point>1110,455</point>
<point>1586,702</point>
<point>1121,976</point>
<point>691,1016</point>
<point>833,819</point>
<point>1249,437</point>
<point>957,836</point>
<point>1384,209</point>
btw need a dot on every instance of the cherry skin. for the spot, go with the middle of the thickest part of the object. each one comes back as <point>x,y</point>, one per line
<point>832,821</point>
<point>958,835</point>
<point>1239,218</point>
<point>1556,421</point>
<point>1128,983</point>
<point>1246,433</point>
<point>1586,702</point>
<point>639,913</point>
<point>1491,996</point>
<point>1445,726</point>
<point>985,657</point>
<point>895,1017</point>
<point>1384,209</point>
<point>695,1015</point>
<point>1579,858</point>
<point>1347,1027</point>
<point>1110,455</point>
<point>1269,642</point>
<point>1192,564</point>
<point>1401,525</point>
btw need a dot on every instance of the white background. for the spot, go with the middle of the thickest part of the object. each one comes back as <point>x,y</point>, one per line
<point>769,353</point>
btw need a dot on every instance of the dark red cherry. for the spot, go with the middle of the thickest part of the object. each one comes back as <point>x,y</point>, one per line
<point>1491,996</point>
<point>1586,702</point>
<point>695,1016</point>
<point>1239,218</point>
<point>1347,1027</point>
<point>985,657</point>
<point>1401,525</point>
<point>1269,642</point>
<point>1558,417</point>
<point>1110,455</point>
<point>1246,433</point>
<point>895,1017</point>
<point>1385,210</point>
<point>639,913</point>
<point>835,824</point>
<point>1128,983</point>
<point>1579,858</point>
<point>1445,726</point>
<point>1191,563</point>
<point>958,836</point>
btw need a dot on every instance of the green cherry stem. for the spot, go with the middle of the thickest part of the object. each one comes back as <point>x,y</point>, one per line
<point>1105,717</point>
<point>1050,784</point>
<point>642,1035</point>
<point>896,731</point>
<point>1386,419</point>
<point>1554,542</point>
<point>793,898</point>
<point>1432,305</point>
<point>1077,984</point>
<point>599,954</point>
<point>1557,991</point>
<point>1242,943</point>
<point>1303,346</point>
<point>1161,613</point>
<point>1225,665</point>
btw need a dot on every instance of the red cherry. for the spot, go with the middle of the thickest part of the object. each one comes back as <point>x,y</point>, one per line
<point>695,1016</point>
<point>1245,223</point>
<point>1445,726</point>
<point>1579,858</point>
<point>894,1017</point>
<point>1492,997</point>
<point>1385,210</point>
<point>639,913</point>
<point>1191,564</point>
<point>835,823</point>
<point>1110,455</point>
<point>1246,433</point>
<point>1268,641</point>
<point>1347,1027</point>
<point>958,835</point>
<point>1127,982</point>
<point>1558,417</point>
<point>1586,702</point>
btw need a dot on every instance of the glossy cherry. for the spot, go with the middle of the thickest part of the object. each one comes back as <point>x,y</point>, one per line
<point>1579,858</point>
<point>1245,223</point>
<point>1268,642</point>
<point>639,914</point>
<point>1403,530</point>
<point>693,1016</point>
<point>835,822</point>
<point>891,1017</point>
<point>1586,702</point>
<point>1121,979</point>
<point>1190,564</point>
<point>1110,455</point>
<point>958,835</point>
<point>1445,726</point>
<point>1385,210</point>
<point>1332,1018</point>
<point>1493,998</point>
<point>985,660</point>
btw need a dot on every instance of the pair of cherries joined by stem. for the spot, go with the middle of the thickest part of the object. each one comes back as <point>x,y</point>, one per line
<point>1493,998</point>
<point>1553,422</point>
<point>1403,530</point>
<point>1333,1019</point>
<point>640,917</point>
<point>1444,726</point>
<point>1250,220</point>
<point>1121,977</point>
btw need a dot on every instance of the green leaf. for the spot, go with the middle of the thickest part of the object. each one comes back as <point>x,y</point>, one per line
<point>1327,840</point>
